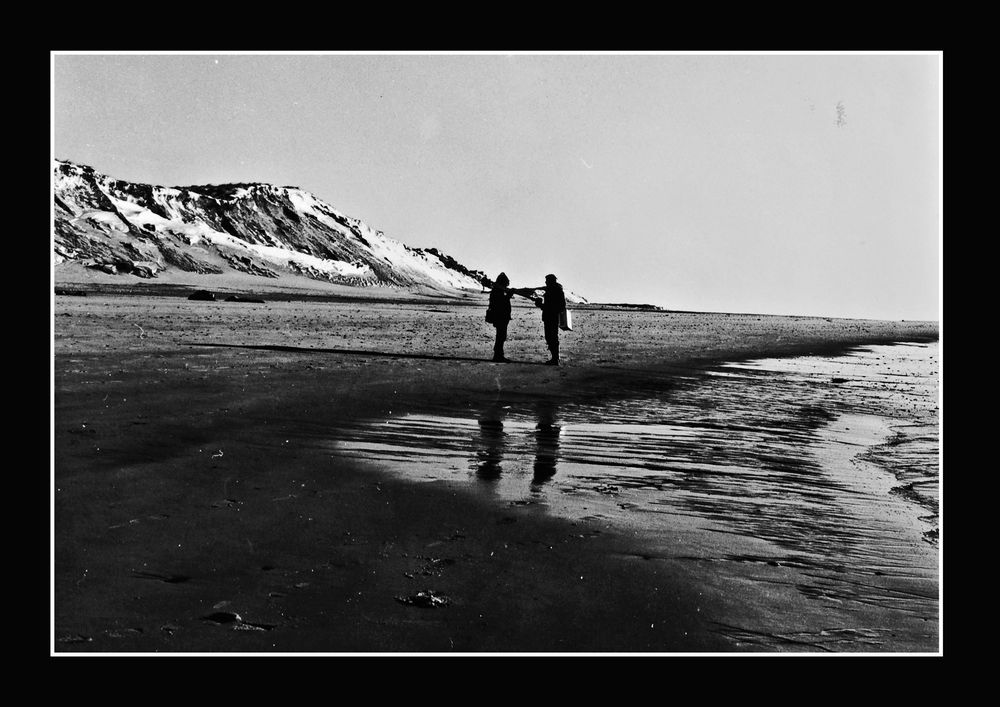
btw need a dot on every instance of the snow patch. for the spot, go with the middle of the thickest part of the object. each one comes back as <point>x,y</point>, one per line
<point>137,214</point>
<point>304,203</point>
<point>419,266</point>
<point>284,256</point>
<point>99,216</point>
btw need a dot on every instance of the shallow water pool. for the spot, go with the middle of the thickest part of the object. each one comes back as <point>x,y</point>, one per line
<point>822,472</point>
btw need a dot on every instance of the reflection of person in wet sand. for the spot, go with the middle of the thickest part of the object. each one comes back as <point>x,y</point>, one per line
<point>546,443</point>
<point>490,454</point>
<point>492,438</point>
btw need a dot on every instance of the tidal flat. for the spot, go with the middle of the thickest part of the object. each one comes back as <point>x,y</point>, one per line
<point>357,477</point>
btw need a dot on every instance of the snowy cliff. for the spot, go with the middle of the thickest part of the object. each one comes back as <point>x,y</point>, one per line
<point>259,229</point>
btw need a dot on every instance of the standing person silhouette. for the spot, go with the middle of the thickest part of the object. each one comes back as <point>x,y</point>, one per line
<point>500,305</point>
<point>552,305</point>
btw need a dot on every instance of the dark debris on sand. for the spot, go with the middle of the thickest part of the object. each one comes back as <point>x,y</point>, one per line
<point>426,600</point>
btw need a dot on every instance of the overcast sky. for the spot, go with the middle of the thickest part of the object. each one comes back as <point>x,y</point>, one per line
<point>770,183</point>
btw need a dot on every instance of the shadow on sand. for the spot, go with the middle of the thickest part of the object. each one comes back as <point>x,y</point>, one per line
<point>358,352</point>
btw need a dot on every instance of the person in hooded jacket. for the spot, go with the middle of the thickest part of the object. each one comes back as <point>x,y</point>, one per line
<point>500,297</point>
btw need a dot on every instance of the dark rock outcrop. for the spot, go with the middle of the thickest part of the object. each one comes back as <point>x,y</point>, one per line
<point>202,296</point>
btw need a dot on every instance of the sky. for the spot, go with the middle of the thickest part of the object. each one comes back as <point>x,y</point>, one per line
<point>771,183</point>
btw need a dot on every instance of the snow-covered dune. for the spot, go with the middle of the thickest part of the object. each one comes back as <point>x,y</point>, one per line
<point>258,229</point>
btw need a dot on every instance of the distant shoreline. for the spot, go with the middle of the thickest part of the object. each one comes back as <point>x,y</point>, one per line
<point>320,292</point>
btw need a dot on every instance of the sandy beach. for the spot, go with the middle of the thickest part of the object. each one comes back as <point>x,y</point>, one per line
<point>207,497</point>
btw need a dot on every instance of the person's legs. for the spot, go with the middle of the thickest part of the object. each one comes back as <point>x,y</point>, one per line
<point>501,338</point>
<point>552,340</point>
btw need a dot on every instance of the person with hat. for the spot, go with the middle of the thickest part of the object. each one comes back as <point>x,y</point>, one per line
<point>552,305</point>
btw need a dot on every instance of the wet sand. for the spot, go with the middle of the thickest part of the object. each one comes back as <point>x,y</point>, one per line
<point>199,506</point>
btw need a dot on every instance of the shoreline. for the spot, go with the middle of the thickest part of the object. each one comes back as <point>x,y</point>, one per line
<point>195,441</point>
<point>77,281</point>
